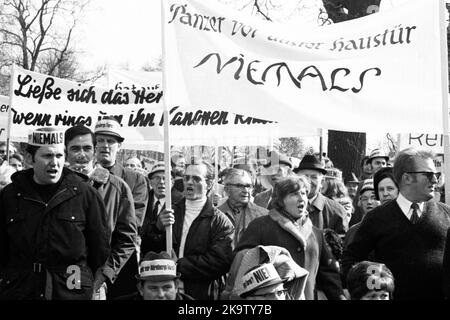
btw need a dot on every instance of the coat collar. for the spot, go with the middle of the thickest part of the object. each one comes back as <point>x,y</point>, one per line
<point>319,202</point>
<point>22,180</point>
<point>207,210</point>
<point>301,233</point>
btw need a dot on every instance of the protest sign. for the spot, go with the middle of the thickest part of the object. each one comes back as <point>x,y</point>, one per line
<point>4,107</point>
<point>238,131</point>
<point>41,100</point>
<point>380,73</point>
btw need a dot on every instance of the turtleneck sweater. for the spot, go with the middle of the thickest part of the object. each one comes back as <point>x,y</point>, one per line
<point>193,209</point>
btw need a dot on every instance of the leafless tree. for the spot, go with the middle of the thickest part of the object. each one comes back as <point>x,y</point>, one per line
<point>38,35</point>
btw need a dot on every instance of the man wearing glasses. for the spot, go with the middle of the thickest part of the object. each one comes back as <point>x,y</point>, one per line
<point>407,234</point>
<point>202,234</point>
<point>238,207</point>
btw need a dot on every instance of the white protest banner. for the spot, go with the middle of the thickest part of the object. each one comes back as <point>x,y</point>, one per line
<point>379,73</point>
<point>238,130</point>
<point>41,100</point>
<point>422,140</point>
<point>4,107</point>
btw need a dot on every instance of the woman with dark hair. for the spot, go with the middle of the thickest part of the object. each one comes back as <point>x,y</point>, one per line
<point>287,225</point>
<point>368,280</point>
<point>386,188</point>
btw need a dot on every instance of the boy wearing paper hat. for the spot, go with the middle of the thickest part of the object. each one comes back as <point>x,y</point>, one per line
<point>61,237</point>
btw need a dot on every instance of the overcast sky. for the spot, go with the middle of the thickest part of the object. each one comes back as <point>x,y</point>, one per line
<point>116,32</point>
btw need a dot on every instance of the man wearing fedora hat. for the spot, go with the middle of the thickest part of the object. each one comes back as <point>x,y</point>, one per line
<point>323,212</point>
<point>122,223</point>
<point>53,228</point>
<point>278,166</point>
<point>108,141</point>
<point>157,279</point>
<point>151,237</point>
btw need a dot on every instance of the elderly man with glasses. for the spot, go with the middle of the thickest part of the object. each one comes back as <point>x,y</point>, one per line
<point>407,234</point>
<point>238,207</point>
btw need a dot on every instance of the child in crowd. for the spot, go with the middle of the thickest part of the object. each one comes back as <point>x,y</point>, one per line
<point>368,280</point>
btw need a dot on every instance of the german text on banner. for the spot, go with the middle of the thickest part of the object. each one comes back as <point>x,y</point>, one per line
<point>40,100</point>
<point>4,107</point>
<point>377,73</point>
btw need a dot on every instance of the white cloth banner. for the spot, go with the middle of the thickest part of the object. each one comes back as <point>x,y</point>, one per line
<point>4,107</point>
<point>41,100</point>
<point>380,73</point>
<point>239,130</point>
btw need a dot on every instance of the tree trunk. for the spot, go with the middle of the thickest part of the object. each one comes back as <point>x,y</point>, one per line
<point>346,150</point>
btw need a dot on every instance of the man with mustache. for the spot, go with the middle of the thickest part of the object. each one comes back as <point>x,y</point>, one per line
<point>407,234</point>
<point>118,200</point>
<point>53,229</point>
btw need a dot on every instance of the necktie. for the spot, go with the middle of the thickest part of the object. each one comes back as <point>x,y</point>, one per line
<point>155,209</point>
<point>414,217</point>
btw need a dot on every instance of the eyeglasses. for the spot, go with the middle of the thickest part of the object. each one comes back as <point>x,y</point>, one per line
<point>428,174</point>
<point>196,179</point>
<point>240,185</point>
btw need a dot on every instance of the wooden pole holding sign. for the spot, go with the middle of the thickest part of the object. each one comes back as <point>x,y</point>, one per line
<point>8,125</point>
<point>444,92</point>
<point>167,176</point>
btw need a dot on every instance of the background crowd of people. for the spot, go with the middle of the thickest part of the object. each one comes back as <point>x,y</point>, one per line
<point>77,224</point>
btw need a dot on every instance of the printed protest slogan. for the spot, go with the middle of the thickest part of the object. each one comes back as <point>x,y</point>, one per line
<point>233,129</point>
<point>378,73</point>
<point>40,100</point>
<point>4,107</point>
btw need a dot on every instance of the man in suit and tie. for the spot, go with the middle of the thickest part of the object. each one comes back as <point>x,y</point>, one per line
<point>156,202</point>
<point>407,234</point>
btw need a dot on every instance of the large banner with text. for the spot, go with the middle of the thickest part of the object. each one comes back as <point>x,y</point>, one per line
<point>379,73</point>
<point>40,100</point>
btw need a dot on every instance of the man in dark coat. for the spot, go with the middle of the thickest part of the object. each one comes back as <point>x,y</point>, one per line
<point>108,141</point>
<point>118,200</point>
<point>324,212</point>
<point>150,235</point>
<point>407,234</point>
<point>53,228</point>
<point>202,234</point>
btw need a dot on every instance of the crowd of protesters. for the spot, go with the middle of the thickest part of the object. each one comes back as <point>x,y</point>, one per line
<point>76,224</point>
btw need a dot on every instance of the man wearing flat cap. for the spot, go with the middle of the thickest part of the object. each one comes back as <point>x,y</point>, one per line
<point>108,141</point>
<point>157,279</point>
<point>323,212</point>
<point>279,166</point>
<point>151,237</point>
<point>53,228</point>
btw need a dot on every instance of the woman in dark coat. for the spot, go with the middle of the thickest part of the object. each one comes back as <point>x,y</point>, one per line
<point>288,226</point>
